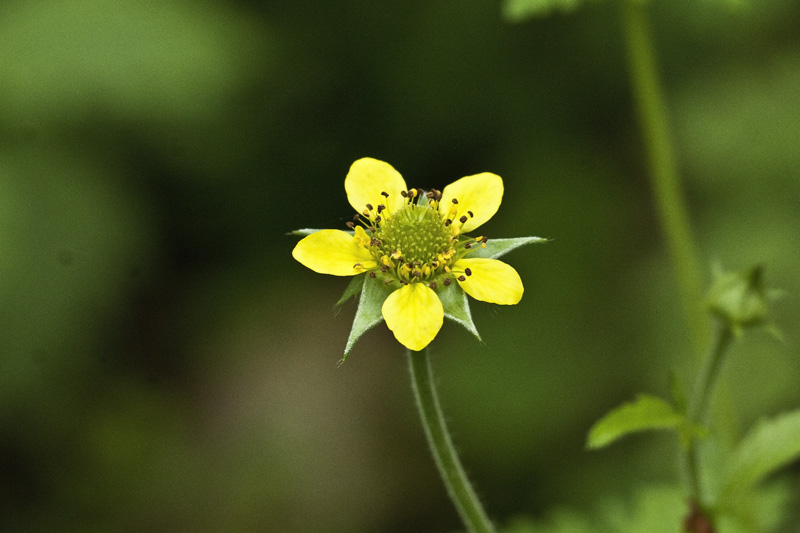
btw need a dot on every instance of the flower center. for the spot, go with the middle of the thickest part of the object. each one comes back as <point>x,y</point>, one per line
<point>414,243</point>
<point>417,232</point>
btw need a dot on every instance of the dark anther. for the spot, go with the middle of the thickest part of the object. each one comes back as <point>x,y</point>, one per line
<point>416,273</point>
<point>448,222</point>
<point>484,240</point>
<point>416,263</point>
<point>430,195</point>
<point>403,282</point>
<point>455,201</point>
<point>381,207</point>
<point>372,274</point>
<point>462,219</point>
<point>375,242</point>
<point>377,219</point>
<point>470,214</point>
<point>384,268</point>
<point>462,278</point>
<point>385,194</point>
<point>350,224</point>
<point>432,285</point>
<point>467,271</point>
<point>369,206</point>
<point>447,281</point>
<point>404,194</point>
<point>468,246</point>
<point>356,217</point>
<point>434,264</point>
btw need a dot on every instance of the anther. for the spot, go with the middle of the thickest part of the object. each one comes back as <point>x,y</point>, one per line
<point>369,206</point>
<point>377,219</point>
<point>455,201</point>
<point>470,214</point>
<point>416,273</point>
<point>467,271</point>
<point>381,207</point>
<point>468,246</point>
<point>462,219</point>
<point>350,224</point>
<point>384,268</point>
<point>372,274</point>
<point>404,194</point>
<point>385,194</point>
<point>448,222</point>
<point>447,281</point>
<point>432,285</point>
<point>462,278</point>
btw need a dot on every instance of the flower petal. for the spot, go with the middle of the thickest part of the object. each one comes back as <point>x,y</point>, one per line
<point>334,252</point>
<point>414,314</point>
<point>481,194</point>
<point>490,281</point>
<point>367,179</point>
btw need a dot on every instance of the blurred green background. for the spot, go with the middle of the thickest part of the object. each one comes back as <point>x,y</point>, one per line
<point>166,364</point>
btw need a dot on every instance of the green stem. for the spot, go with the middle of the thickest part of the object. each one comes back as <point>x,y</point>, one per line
<point>663,170</point>
<point>455,479</point>
<point>699,401</point>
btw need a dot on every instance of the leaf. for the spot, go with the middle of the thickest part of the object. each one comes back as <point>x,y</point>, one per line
<point>456,307</point>
<point>353,289</point>
<point>498,247</point>
<point>645,413</point>
<point>771,445</point>
<point>519,10</point>
<point>368,315</point>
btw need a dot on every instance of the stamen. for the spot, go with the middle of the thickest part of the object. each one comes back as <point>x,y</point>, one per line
<point>455,201</point>
<point>447,282</point>
<point>381,207</point>
<point>462,278</point>
<point>372,274</point>
<point>470,214</point>
<point>350,224</point>
<point>448,222</point>
<point>467,271</point>
<point>432,285</point>
<point>462,219</point>
<point>385,194</point>
<point>369,206</point>
<point>377,219</point>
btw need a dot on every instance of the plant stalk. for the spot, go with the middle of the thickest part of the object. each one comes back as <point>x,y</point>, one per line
<point>444,453</point>
<point>663,170</point>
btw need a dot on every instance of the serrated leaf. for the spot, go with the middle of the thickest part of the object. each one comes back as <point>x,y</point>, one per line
<point>353,289</point>
<point>368,315</point>
<point>771,445</point>
<point>519,10</point>
<point>456,307</point>
<point>498,247</point>
<point>645,413</point>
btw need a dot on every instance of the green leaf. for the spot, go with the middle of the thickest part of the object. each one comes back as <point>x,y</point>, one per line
<point>368,315</point>
<point>498,247</point>
<point>353,288</point>
<point>519,10</point>
<point>645,413</point>
<point>771,445</point>
<point>456,307</point>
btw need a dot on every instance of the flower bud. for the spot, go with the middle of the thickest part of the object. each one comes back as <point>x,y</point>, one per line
<point>739,298</point>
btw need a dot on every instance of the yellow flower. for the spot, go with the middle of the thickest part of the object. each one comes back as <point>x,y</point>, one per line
<point>415,243</point>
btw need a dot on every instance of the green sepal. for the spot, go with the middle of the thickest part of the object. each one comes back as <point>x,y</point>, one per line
<point>771,445</point>
<point>645,413</point>
<point>368,315</point>
<point>499,247</point>
<point>353,289</point>
<point>456,307</point>
<point>305,232</point>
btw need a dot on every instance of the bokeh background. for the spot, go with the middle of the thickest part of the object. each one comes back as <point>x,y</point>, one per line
<point>167,366</point>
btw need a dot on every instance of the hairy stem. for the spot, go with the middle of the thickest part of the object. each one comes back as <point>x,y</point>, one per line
<point>700,399</point>
<point>665,181</point>
<point>455,479</point>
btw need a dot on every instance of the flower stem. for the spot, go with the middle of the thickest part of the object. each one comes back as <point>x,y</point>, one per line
<point>455,479</point>
<point>698,403</point>
<point>651,110</point>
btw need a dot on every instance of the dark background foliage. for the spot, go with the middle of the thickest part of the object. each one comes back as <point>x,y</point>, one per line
<point>166,365</point>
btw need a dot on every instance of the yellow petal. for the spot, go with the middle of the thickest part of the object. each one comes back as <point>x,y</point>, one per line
<point>414,313</point>
<point>481,194</point>
<point>367,179</point>
<point>491,281</point>
<point>334,252</point>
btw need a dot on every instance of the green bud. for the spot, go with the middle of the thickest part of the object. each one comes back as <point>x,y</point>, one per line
<point>740,299</point>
